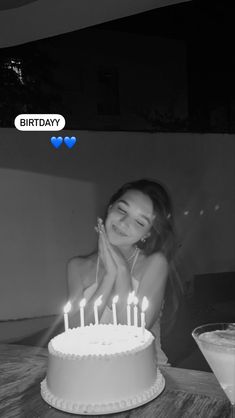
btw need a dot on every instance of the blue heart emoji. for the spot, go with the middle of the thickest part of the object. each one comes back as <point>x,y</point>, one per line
<point>70,141</point>
<point>56,141</point>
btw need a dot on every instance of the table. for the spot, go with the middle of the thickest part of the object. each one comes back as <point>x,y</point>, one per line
<point>188,393</point>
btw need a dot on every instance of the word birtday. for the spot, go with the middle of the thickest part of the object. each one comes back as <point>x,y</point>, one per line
<point>39,122</point>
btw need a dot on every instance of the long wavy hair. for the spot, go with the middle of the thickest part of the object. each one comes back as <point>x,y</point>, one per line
<point>162,238</point>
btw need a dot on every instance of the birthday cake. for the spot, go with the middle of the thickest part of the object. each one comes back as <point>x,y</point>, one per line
<point>99,369</point>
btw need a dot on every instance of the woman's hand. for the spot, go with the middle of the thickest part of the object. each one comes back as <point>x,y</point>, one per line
<point>120,261</point>
<point>105,253</point>
<point>123,284</point>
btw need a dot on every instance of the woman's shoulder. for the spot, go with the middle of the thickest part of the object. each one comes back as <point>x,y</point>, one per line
<point>150,265</point>
<point>80,261</point>
<point>80,269</point>
<point>156,265</point>
<point>157,259</point>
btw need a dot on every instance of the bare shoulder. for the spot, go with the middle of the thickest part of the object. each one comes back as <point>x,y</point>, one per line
<point>81,261</point>
<point>77,262</point>
<point>148,266</point>
<point>158,260</point>
<point>153,278</point>
<point>155,266</point>
<point>77,271</point>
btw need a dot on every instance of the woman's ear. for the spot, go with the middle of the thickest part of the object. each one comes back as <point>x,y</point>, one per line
<point>143,239</point>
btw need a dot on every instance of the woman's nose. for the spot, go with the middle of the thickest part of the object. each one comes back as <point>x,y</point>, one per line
<point>124,220</point>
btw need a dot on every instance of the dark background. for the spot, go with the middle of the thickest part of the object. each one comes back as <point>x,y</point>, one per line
<point>43,76</point>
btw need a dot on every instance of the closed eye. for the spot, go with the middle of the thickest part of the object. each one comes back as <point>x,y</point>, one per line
<point>140,223</point>
<point>122,210</point>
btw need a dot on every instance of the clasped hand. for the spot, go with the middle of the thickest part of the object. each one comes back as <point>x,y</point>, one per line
<point>113,260</point>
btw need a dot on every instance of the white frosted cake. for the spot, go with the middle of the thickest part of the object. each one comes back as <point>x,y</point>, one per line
<point>100,369</point>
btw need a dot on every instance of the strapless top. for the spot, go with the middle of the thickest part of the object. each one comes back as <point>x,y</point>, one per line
<point>107,317</point>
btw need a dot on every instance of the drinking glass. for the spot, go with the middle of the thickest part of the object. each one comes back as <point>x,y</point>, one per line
<point>217,344</point>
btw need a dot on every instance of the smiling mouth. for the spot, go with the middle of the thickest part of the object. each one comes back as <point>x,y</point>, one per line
<point>118,231</point>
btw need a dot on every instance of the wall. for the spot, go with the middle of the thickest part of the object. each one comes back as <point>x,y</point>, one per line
<point>40,226</point>
<point>200,171</point>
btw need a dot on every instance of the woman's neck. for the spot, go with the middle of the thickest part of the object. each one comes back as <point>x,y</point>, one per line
<point>128,252</point>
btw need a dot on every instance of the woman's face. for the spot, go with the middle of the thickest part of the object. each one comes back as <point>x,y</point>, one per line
<point>129,219</point>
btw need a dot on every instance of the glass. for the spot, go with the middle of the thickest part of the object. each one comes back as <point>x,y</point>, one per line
<point>217,344</point>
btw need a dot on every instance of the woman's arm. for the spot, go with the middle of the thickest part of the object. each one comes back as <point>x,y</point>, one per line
<point>122,288</point>
<point>76,293</point>
<point>153,284</point>
<point>104,287</point>
<point>75,288</point>
<point>123,283</point>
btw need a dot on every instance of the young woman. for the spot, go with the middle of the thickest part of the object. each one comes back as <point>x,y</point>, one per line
<point>135,247</point>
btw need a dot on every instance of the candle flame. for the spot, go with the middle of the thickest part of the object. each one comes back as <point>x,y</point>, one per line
<point>98,301</point>
<point>115,299</point>
<point>67,307</point>
<point>135,300</point>
<point>82,303</point>
<point>145,304</point>
<point>130,298</point>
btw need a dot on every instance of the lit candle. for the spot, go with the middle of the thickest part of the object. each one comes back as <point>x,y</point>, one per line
<point>129,302</point>
<point>96,304</point>
<point>135,311</point>
<point>114,301</point>
<point>82,304</point>
<point>67,308</point>
<point>144,307</point>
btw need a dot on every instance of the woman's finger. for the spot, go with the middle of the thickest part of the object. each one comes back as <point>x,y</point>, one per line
<point>118,257</point>
<point>101,246</point>
<point>105,246</point>
<point>108,260</point>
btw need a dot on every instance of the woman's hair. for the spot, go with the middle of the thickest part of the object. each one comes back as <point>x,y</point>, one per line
<point>162,238</point>
<point>162,234</point>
